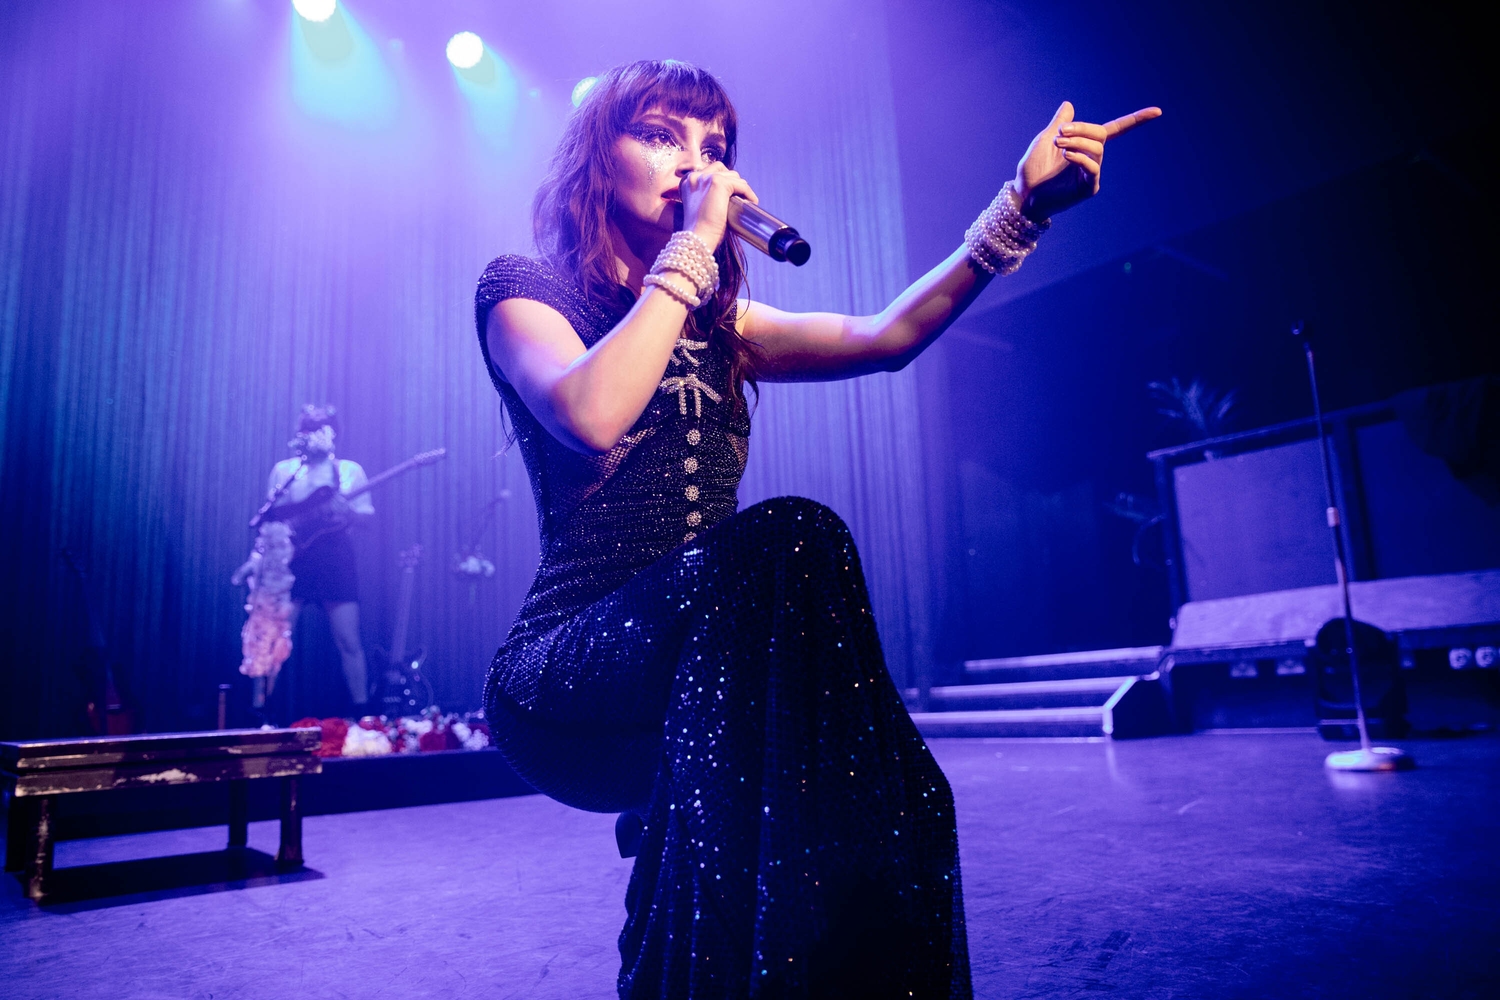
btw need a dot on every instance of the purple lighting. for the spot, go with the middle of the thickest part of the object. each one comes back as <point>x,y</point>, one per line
<point>1106,624</point>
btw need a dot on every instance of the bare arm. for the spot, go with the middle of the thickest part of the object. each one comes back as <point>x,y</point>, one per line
<point>1059,169</point>
<point>827,346</point>
<point>587,398</point>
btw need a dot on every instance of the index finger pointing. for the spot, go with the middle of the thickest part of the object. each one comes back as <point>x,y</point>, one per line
<point>1125,123</point>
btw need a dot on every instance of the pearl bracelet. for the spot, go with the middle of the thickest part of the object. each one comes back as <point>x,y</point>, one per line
<point>673,289</point>
<point>1001,238</point>
<point>687,254</point>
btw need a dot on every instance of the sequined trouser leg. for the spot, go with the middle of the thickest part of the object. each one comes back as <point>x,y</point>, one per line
<point>800,838</point>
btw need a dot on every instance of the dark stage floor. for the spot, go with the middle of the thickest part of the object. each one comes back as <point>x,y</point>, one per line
<point>1210,866</point>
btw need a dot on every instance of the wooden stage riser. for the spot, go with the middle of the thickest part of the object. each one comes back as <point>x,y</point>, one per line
<point>345,785</point>
<point>156,775</point>
<point>247,743</point>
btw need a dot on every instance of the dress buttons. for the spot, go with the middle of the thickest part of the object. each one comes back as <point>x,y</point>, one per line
<point>691,492</point>
<point>694,436</point>
<point>695,518</point>
<point>690,465</point>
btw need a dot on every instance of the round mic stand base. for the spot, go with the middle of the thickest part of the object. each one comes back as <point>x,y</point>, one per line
<point>1370,759</point>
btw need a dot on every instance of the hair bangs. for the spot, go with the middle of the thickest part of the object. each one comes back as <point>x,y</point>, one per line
<point>675,88</point>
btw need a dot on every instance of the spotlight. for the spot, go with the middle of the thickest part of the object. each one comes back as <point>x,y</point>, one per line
<point>315,10</point>
<point>465,49</point>
<point>581,89</point>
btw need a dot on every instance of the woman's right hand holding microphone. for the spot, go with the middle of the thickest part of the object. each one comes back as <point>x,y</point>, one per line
<point>705,201</point>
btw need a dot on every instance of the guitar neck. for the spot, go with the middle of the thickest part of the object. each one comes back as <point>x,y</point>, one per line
<point>403,612</point>
<point>426,458</point>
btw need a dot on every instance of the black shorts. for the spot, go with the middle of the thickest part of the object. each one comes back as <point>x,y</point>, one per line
<point>325,570</point>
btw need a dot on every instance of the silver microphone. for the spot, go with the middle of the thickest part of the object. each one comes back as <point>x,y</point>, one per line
<point>766,233</point>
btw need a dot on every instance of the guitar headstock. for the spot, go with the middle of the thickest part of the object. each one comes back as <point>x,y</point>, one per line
<point>409,557</point>
<point>428,457</point>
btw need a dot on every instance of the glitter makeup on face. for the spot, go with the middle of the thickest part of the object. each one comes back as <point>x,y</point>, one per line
<point>658,159</point>
<point>657,149</point>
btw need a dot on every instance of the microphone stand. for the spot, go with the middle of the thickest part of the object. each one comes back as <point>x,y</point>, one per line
<point>277,494</point>
<point>1367,757</point>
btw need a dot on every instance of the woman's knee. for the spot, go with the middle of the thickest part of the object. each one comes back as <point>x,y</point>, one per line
<point>590,768</point>
<point>795,518</point>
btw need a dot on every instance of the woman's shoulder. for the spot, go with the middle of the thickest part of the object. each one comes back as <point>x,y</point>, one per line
<point>513,269</point>
<point>512,276</point>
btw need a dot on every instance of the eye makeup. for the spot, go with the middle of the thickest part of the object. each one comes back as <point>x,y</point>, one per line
<point>660,146</point>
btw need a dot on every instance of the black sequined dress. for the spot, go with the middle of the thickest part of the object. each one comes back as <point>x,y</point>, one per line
<point>720,673</point>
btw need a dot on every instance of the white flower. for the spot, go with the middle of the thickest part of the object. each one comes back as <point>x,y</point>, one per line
<point>366,743</point>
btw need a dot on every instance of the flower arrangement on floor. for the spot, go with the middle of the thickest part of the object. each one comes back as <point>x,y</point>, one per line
<point>375,736</point>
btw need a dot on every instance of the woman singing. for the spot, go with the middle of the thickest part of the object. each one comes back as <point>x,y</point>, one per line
<point>715,673</point>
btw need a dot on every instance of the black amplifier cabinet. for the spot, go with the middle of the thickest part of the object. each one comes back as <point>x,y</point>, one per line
<point>1246,661</point>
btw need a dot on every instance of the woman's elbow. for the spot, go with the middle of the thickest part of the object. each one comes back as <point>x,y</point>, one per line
<point>586,431</point>
<point>896,362</point>
<point>595,442</point>
<point>888,342</point>
<point>586,437</point>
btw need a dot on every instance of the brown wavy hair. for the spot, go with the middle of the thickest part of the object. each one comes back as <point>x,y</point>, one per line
<point>571,213</point>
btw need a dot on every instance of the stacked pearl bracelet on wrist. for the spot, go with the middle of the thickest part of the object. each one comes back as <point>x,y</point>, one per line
<point>674,289</point>
<point>1001,238</point>
<point>689,256</point>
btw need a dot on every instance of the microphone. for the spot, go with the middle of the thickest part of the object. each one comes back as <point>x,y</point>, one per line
<point>766,233</point>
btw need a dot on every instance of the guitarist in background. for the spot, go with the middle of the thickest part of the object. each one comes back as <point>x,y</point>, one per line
<point>324,569</point>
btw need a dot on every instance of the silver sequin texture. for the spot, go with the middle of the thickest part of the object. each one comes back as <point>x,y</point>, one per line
<point>728,684</point>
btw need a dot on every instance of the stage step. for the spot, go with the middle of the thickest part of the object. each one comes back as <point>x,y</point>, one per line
<point>1080,721</point>
<point>1099,663</point>
<point>1075,692</point>
<point>1100,692</point>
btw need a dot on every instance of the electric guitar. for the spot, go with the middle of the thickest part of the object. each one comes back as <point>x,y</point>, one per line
<point>405,691</point>
<point>309,517</point>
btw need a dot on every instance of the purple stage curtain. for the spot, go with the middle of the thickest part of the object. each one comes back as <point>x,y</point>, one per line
<point>190,248</point>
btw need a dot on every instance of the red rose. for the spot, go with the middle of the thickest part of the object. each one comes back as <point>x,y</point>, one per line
<point>334,732</point>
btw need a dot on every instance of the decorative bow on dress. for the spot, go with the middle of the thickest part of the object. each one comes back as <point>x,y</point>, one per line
<point>684,384</point>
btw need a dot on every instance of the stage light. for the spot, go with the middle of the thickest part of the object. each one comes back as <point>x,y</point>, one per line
<point>338,72</point>
<point>315,10</point>
<point>465,49</point>
<point>581,89</point>
<point>490,86</point>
